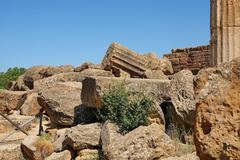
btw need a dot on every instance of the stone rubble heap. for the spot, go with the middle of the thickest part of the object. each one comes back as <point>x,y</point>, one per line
<point>208,104</point>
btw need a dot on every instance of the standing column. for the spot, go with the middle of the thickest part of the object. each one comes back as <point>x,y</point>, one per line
<point>225,30</point>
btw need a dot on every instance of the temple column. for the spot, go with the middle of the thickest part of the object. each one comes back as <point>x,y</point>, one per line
<point>225,30</point>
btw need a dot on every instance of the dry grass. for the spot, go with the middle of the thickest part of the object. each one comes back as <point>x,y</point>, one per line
<point>44,146</point>
<point>183,139</point>
<point>183,149</point>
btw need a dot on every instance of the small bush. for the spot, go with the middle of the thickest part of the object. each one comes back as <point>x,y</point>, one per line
<point>128,109</point>
<point>11,75</point>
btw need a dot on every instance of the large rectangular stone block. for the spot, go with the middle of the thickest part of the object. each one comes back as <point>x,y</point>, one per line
<point>93,88</point>
<point>119,57</point>
<point>178,91</point>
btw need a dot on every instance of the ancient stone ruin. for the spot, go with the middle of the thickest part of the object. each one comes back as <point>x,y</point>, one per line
<point>224,43</point>
<point>195,116</point>
<point>194,58</point>
<point>225,30</point>
<point>120,59</point>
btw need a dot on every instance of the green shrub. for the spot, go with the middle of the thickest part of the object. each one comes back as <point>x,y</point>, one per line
<point>10,75</point>
<point>128,109</point>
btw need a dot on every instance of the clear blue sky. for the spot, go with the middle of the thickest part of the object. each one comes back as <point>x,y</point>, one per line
<point>57,32</point>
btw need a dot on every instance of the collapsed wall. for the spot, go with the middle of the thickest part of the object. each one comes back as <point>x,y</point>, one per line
<point>194,58</point>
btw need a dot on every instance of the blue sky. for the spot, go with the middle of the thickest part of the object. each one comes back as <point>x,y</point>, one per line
<point>57,32</point>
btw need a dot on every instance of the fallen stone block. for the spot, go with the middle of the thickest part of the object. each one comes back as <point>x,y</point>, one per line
<point>217,122</point>
<point>11,100</point>
<point>64,155</point>
<point>60,101</point>
<point>10,151</point>
<point>36,148</point>
<point>120,57</point>
<point>69,77</point>
<point>177,94</point>
<point>30,107</point>
<point>88,154</point>
<point>144,142</point>
<point>84,136</point>
<point>25,82</point>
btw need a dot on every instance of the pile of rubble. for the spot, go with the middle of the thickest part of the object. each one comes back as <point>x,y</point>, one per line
<point>70,97</point>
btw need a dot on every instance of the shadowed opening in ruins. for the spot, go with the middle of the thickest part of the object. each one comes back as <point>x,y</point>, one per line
<point>174,127</point>
<point>167,107</point>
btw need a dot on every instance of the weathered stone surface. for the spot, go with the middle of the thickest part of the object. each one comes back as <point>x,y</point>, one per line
<point>87,65</point>
<point>59,144</point>
<point>182,96</point>
<point>191,156</point>
<point>51,81</point>
<point>69,77</point>
<point>155,74</point>
<point>145,142</point>
<point>120,57</point>
<point>88,154</point>
<point>10,100</point>
<point>52,133</point>
<point>165,65</point>
<point>6,126</point>
<point>36,148</point>
<point>94,88</point>
<point>17,137</point>
<point>50,71</point>
<point>120,73</point>
<point>60,101</point>
<point>25,82</point>
<point>18,85</point>
<point>179,91</point>
<point>193,59</point>
<point>225,30</point>
<point>28,148</point>
<point>217,126</point>
<point>39,72</point>
<point>11,151</point>
<point>28,82</point>
<point>96,72</point>
<point>84,136</point>
<point>64,155</point>
<point>30,107</point>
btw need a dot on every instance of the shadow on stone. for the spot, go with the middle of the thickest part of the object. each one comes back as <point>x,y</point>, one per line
<point>83,114</point>
<point>166,107</point>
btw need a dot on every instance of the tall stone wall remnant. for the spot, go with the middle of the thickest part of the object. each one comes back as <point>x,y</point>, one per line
<point>225,30</point>
<point>194,58</point>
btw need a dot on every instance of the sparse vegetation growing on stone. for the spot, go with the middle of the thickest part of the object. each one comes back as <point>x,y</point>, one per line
<point>126,108</point>
<point>10,75</point>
